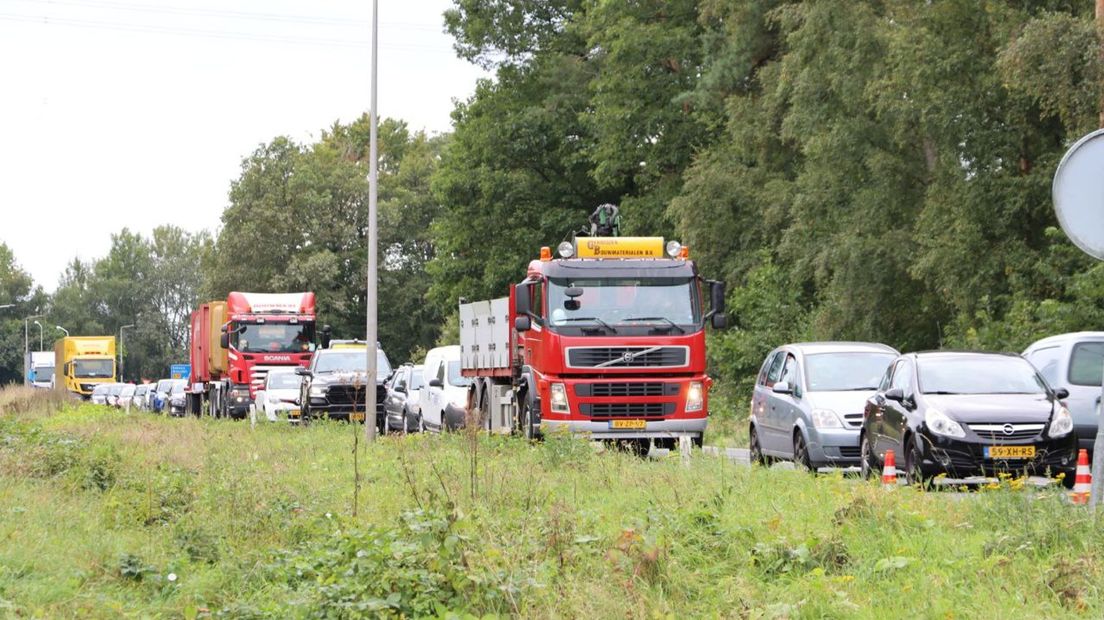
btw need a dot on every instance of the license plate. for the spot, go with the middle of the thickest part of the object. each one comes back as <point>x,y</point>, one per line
<point>294,413</point>
<point>636,424</point>
<point>1010,452</point>
<point>357,417</point>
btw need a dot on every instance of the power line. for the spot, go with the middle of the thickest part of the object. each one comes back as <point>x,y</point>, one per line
<point>197,32</point>
<point>231,14</point>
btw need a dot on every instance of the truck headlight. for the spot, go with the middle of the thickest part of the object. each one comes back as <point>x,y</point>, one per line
<point>1062,423</point>
<point>559,399</point>
<point>695,397</point>
<point>825,418</point>
<point>940,424</point>
<point>318,392</point>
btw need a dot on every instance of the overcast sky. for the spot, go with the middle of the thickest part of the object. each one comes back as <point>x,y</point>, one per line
<point>136,113</point>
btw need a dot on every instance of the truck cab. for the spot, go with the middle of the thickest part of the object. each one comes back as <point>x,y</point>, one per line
<point>606,340</point>
<point>83,362</point>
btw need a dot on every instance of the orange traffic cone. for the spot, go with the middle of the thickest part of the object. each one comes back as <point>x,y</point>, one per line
<point>1082,484</point>
<point>889,471</point>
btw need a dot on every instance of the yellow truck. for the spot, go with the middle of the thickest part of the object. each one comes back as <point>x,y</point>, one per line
<point>83,362</point>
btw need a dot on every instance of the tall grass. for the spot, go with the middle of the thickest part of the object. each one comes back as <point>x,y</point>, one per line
<point>105,514</point>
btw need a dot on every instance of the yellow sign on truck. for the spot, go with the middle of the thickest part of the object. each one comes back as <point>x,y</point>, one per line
<point>83,362</point>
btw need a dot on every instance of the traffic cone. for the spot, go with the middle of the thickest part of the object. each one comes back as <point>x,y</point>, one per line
<point>1082,484</point>
<point>889,472</point>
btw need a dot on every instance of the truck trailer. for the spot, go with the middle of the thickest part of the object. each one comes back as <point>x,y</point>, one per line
<point>607,340</point>
<point>235,343</point>
<point>83,362</point>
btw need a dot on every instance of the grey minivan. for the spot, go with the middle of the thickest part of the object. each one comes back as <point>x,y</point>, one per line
<point>1074,361</point>
<point>809,398</point>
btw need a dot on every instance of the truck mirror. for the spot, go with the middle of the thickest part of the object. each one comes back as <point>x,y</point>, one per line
<point>719,321</point>
<point>717,296</point>
<point>327,335</point>
<point>302,372</point>
<point>523,323</point>
<point>521,299</point>
<point>224,340</point>
<point>573,292</point>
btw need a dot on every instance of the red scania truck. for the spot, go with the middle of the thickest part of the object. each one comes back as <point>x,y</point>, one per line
<point>235,343</point>
<point>608,339</point>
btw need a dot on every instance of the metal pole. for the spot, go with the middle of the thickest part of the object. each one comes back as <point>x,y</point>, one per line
<point>39,335</point>
<point>122,352</point>
<point>27,347</point>
<point>1098,445</point>
<point>372,332</point>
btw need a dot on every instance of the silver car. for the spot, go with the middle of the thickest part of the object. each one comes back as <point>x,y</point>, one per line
<point>1076,362</point>
<point>809,399</point>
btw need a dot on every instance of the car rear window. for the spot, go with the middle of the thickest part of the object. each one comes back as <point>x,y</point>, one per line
<point>1087,363</point>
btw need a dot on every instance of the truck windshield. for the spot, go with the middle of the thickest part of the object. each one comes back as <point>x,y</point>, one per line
<point>85,369</point>
<point>273,337</point>
<point>621,304</point>
<point>43,374</point>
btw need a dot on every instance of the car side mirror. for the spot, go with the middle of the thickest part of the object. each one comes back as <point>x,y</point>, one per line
<point>782,387</point>
<point>401,389</point>
<point>302,372</point>
<point>896,394</point>
<point>1061,393</point>
<point>435,382</point>
<point>523,323</point>
<point>224,340</point>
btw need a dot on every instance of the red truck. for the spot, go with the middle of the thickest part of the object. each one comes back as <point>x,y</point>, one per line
<point>607,340</point>
<point>235,343</point>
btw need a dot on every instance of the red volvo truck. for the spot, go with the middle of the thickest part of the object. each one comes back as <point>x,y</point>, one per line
<point>235,343</point>
<point>608,339</point>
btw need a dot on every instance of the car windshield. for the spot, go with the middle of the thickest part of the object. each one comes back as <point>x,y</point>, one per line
<point>164,385</point>
<point>979,374</point>
<point>140,390</point>
<point>350,361</point>
<point>100,390</point>
<point>842,372</point>
<point>273,337</point>
<point>128,390</point>
<point>613,303</point>
<point>283,381</point>
<point>177,387</point>
<point>454,376</point>
<point>116,390</point>
<point>416,380</point>
<point>93,368</point>
<point>1087,363</point>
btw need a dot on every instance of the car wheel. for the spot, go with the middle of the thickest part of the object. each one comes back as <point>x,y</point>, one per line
<point>801,452</point>
<point>867,466</point>
<point>913,473</point>
<point>421,424</point>
<point>755,449</point>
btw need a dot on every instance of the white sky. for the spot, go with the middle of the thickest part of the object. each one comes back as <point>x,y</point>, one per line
<point>135,113</point>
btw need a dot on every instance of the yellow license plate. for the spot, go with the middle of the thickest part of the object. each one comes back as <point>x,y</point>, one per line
<point>635,424</point>
<point>1010,452</point>
<point>294,413</point>
<point>357,417</point>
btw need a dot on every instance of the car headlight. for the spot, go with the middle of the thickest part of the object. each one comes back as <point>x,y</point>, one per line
<point>559,399</point>
<point>940,424</point>
<point>826,418</point>
<point>1062,423</point>
<point>318,392</point>
<point>695,397</point>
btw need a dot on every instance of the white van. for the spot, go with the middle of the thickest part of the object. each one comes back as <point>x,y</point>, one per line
<point>1074,362</point>
<point>444,399</point>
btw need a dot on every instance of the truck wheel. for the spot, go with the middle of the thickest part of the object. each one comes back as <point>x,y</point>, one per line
<point>526,415</point>
<point>485,412</point>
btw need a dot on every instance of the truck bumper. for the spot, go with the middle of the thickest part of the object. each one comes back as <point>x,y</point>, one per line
<point>655,428</point>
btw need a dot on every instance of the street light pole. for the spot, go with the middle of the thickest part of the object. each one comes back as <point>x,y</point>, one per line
<point>27,346</point>
<point>39,335</point>
<point>372,332</point>
<point>122,352</point>
<point>65,331</point>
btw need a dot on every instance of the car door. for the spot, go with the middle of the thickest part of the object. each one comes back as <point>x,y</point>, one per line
<point>393,404</point>
<point>759,393</point>
<point>784,406</point>
<point>896,413</point>
<point>434,395</point>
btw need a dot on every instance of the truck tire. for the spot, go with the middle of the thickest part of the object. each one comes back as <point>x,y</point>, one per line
<point>525,413</point>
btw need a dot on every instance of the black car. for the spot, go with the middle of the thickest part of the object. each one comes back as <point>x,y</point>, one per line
<point>402,407</point>
<point>967,414</point>
<point>335,385</point>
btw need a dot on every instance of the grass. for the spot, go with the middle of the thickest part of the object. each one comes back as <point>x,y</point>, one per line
<point>105,515</point>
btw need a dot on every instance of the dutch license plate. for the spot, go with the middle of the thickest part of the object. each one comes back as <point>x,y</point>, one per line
<point>634,424</point>
<point>357,416</point>
<point>294,413</point>
<point>1010,452</point>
